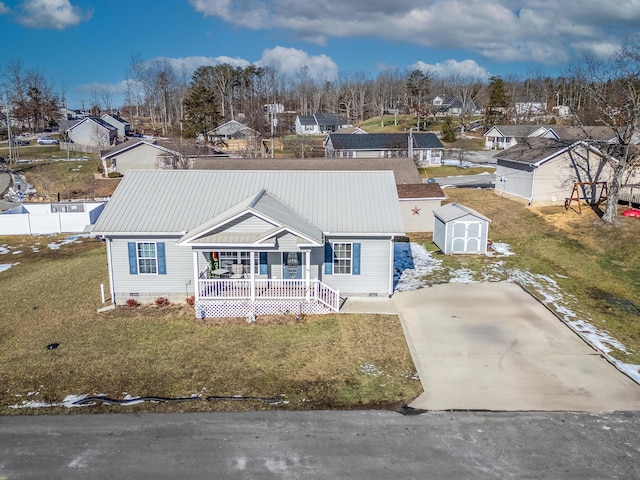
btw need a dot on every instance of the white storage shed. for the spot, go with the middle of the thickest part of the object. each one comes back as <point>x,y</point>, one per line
<point>460,230</point>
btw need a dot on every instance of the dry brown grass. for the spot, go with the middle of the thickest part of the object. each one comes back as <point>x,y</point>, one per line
<point>52,296</point>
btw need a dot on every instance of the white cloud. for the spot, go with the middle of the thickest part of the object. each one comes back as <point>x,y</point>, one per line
<point>448,68</point>
<point>56,14</point>
<point>3,8</point>
<point>544,31</point>
<point>191,64</point>
<point>291,61</point>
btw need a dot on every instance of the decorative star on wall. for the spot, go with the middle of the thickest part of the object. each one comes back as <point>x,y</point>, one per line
<point>415,210</point>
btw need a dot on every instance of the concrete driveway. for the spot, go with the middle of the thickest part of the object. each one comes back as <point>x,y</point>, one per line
<point>491,346</point>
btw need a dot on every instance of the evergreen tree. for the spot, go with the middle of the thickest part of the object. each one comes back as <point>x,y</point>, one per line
<point>201,113</point>
<point>448,132</point>
<point>496,111</point>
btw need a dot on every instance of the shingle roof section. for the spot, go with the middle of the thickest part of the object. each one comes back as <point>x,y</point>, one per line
<point>404,169</point>
<point>388,141</point>
<point>420,190</point>
<point>518,131</point>
<point>176,201</point>
<point>532,151</point>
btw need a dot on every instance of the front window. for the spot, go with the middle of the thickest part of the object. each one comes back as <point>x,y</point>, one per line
<point>147,258</point>
<point>229,258</point>
<point>342,258</point>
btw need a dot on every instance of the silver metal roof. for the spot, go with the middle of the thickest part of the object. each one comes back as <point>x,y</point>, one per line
<point>453,211</point>
<point>177,201</point>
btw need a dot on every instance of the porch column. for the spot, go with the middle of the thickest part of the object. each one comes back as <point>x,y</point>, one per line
<point>252,256</point>
<point>307,274</point>
<point>196,275</point>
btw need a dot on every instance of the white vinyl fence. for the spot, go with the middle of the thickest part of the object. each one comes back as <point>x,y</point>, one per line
<point>49,218</point>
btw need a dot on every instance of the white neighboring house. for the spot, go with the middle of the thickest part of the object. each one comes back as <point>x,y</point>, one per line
<point>320,123</point>
<point>49,218</point>
<point>500,137</point>
<point>124,127</point>
<point>93,132</point>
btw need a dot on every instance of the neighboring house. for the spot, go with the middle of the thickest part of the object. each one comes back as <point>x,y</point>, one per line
<point>416,200</point>
<point>417,204</point>
<point>592,134</point>
<point>500,137</point>
<point>249,243</point>
<point>452,105</point>
<point>92,132</point>
<point>124,127</point>
<point>49,218</point>
<point>458,229</point>
<point>237,138</point>
<point>320,123</point>
<point>542,171</point>
<point>139,155</point>
<point>425,148</point>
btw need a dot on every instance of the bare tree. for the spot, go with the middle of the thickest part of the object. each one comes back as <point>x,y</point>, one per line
<point>613,87</point>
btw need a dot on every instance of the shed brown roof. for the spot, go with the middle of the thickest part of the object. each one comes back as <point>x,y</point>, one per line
<point>420,190</point>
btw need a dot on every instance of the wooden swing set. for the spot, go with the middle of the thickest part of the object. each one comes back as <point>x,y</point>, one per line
<point>575,194</point>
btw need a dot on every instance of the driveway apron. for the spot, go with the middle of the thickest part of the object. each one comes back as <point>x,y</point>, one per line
<point>491,346</point>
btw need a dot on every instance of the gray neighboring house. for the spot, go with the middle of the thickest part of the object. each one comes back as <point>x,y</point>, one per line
<point>124,127</point>
<point>425,148</point>
<point>139,155</point>
<point>91,132</point>
<point>460,230</point>
<point>452,105</point>
<point>416,199</point>
<point>542,171</point>
<point>320,123</point>
<point>247,243</point>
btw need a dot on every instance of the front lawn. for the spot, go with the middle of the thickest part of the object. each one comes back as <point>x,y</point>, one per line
<point>51,297</point>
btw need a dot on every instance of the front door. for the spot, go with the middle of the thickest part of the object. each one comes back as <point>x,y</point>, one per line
<point>291,265</point>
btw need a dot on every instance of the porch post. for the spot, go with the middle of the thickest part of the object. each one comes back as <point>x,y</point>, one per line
<point>253,276</point>
<point>307,273</point>
<point>196,287</point>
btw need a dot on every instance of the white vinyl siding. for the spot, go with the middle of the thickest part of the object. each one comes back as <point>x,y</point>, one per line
<point>375,266</point>
<point>178,281</point>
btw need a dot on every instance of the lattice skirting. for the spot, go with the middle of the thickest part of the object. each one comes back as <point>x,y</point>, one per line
<point>229,308</point>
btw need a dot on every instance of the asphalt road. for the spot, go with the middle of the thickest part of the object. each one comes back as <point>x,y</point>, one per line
<point>322,445</point>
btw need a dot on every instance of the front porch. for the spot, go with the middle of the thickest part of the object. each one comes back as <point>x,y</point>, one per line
<point>227,297</point>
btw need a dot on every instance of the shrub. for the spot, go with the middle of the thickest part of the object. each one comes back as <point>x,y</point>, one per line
<point>100,169</point>
<point>114,175</point>
<point>132,302</point>
<point>162,301</point>
<point>191,301</point>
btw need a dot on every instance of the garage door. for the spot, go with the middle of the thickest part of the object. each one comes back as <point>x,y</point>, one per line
<point>466,237</point>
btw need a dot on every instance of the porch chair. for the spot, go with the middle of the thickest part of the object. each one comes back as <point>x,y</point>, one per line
<point>237,270</point>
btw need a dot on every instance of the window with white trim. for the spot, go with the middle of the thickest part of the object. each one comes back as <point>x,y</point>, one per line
<point>229,258</point>
<point>342,258</point>
<point>147,258</point>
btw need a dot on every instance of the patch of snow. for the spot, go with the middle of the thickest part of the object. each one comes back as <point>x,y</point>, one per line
<point>501,249</point>
<point>7,266</point>
<point>16,252</point>
<point>461,275</point>
<point>4,250</point>
<point>412,264</point>
<point>66,241</point>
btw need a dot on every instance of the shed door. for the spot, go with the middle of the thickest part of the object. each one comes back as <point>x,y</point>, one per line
<point>466,237</point>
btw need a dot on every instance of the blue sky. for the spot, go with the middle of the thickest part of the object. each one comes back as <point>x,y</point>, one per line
<point>82,46</point>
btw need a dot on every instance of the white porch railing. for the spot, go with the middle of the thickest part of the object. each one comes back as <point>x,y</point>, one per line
<point>268,289</point>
